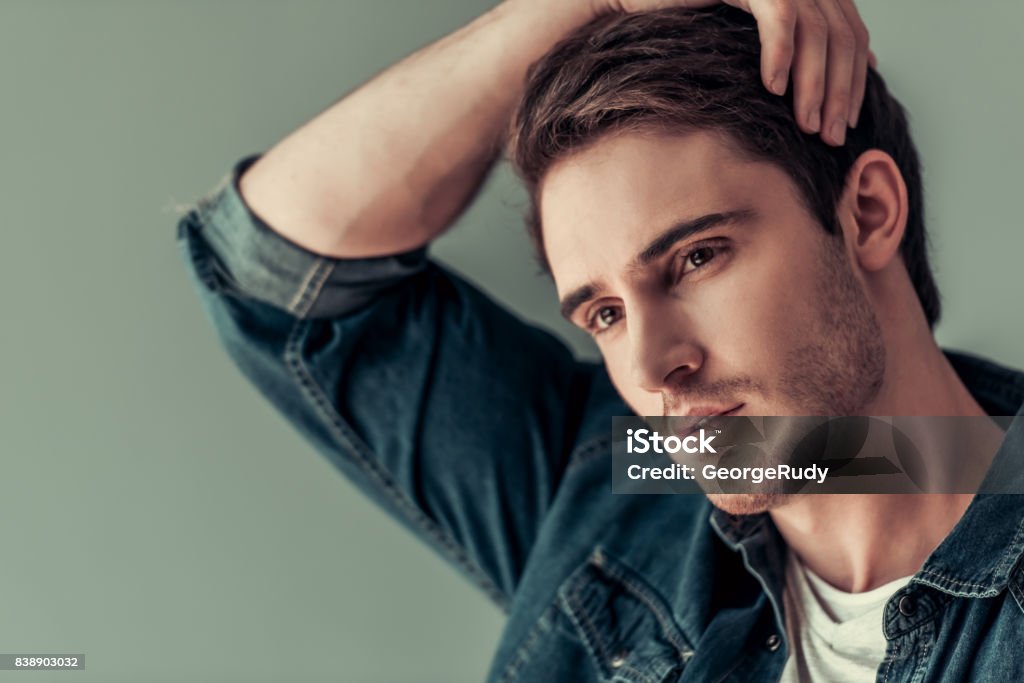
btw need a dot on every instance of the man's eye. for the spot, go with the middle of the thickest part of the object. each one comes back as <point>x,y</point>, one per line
<point>698,257</point>
<point>603,318</point>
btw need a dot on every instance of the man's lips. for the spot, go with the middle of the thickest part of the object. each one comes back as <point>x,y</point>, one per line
<point>683,426</point>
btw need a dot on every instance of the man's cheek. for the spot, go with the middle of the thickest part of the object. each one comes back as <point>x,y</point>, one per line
<point>777,308</point>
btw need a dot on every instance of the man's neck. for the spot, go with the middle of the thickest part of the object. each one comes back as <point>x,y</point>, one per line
<point>859,542</point>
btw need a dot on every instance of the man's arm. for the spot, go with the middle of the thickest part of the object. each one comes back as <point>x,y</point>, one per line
<point>389,167</point>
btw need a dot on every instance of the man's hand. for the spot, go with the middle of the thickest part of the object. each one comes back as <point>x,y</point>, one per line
<point>823,43</point>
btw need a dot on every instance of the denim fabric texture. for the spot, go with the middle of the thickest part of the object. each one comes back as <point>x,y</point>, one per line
<point>490,442</point>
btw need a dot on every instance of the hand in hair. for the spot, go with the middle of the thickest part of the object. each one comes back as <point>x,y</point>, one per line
<point>822,43</point>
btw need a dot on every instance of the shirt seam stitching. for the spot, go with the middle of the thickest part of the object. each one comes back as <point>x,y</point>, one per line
<point>1007,560</point>
<point>521,656</point>
<point>310,288</point>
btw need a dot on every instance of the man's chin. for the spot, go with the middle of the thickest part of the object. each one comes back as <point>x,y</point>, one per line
<point>748,503</point>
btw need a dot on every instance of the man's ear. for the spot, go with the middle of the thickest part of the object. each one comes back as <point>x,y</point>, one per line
<point>874,214</point>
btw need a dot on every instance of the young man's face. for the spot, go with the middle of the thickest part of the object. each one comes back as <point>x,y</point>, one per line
<point>756,313</point>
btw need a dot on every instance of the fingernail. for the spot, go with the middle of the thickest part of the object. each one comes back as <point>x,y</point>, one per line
<point>814,120</point>
<point>778,83</point>
<point>838,132</point>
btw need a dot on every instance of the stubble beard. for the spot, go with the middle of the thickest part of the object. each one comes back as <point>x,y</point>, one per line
<point>837,372</point>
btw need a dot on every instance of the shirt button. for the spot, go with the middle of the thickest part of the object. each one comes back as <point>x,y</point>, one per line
<point>907,606</point>
<point>618,660</point>
<point>773,643</point>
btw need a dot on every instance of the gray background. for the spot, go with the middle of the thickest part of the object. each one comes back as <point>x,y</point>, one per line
<point>155,513</point>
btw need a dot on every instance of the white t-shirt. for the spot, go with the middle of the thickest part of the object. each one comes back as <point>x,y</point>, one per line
<point>833,635</point>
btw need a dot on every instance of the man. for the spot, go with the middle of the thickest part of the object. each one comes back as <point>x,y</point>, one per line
<point>725,259</point>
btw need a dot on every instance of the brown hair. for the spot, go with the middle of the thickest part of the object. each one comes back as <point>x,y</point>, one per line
<point>686,70</point>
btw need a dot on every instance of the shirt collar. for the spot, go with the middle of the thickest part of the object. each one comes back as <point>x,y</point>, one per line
<point>976,558</point>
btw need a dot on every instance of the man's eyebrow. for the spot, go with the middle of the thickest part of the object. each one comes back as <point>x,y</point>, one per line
<point>655,249</point>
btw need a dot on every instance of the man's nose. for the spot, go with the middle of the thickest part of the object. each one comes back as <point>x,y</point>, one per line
<point>663,350</point>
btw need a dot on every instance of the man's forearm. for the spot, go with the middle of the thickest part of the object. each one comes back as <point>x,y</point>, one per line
<point>390,166</point>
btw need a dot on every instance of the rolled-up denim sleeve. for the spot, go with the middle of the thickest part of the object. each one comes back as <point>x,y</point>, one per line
<point>448,410</point>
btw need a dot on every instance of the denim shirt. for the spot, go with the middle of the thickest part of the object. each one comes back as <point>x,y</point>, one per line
<point>488,440</point>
